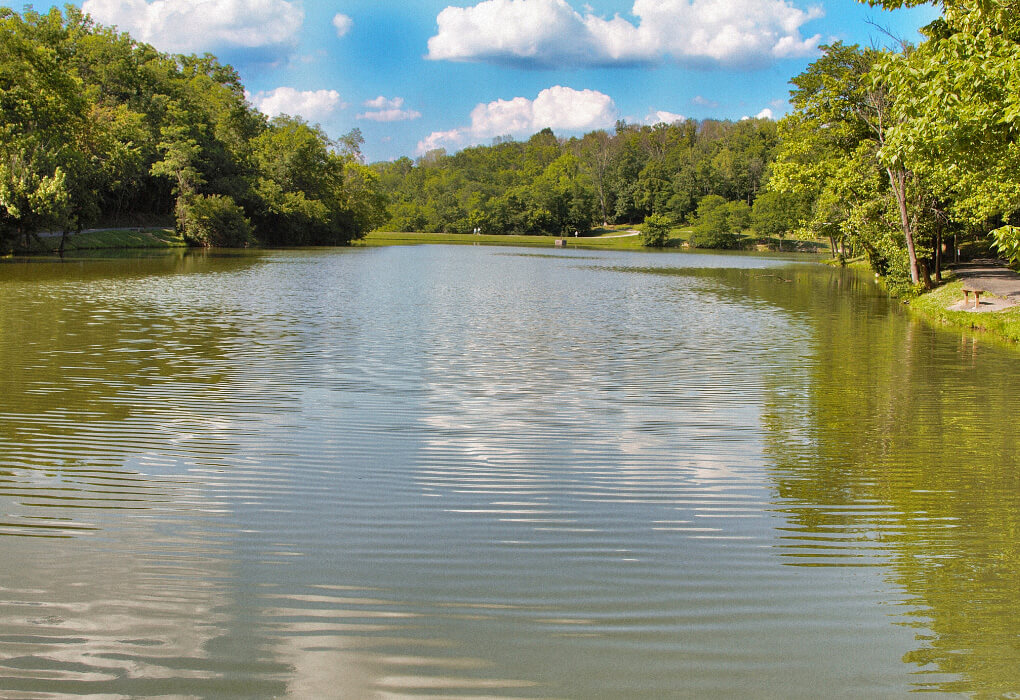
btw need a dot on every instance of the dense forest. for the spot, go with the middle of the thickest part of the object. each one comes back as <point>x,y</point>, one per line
<point>96,128</point>
<point>556,186</point>
<point>897,154</point>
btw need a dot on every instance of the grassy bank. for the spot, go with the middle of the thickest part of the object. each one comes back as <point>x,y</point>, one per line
<point>611,238</point>
<point>136,238</point>
<point>110,239</point>
<point>934,306</point>
<point>610,241</point>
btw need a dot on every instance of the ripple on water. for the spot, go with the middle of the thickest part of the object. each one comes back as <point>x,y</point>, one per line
<point>436,472</point>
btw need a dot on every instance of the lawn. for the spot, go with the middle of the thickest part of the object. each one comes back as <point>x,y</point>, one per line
<point>117,238</point>
<point>933,305</point>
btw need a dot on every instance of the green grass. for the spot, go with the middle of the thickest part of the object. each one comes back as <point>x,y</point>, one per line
<point>933,306</point>
<point>102,240</point>
<point>382,238</point>
<point>608,238</point>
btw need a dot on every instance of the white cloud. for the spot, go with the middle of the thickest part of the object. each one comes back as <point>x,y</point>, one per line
<point>388,110</point>
<point>342,23</point>
<point>437,139</point>
<point>547,33</point>
<point>764,114</point>
<point>188,26</point>
<point>391,115</point>
<point>558,108</point>
<point>313,105</point>
<point>704,101</point>
<point>663,117</point>
<point>385,103</point>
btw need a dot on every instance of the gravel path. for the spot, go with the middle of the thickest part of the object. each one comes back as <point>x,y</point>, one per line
<point>996,279</point>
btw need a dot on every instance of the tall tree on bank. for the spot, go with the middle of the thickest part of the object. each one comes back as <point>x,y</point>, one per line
<point>96,128</point>
<point>957,113</point>
<point>836,152</point>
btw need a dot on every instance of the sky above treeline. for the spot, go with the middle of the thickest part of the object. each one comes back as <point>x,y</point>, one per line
<point>415,75</point>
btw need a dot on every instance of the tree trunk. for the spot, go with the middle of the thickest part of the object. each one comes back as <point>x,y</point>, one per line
<point>938,254</point>
<point>898,181</point>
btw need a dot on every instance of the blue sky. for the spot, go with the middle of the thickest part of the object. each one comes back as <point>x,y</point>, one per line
<point>449,73</point>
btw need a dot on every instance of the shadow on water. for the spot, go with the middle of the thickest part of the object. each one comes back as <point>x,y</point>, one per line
<point>894,445</point>
<point>114,543</point>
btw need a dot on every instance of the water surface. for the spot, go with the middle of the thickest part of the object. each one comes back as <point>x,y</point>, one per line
<point>496,472</point>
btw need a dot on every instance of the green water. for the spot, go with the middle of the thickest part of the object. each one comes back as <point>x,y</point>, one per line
<point>493,472</point>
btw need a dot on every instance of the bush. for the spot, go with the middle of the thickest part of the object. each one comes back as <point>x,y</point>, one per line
<point>215,220</point>
<point>719,223</point>
<point>656,233</point>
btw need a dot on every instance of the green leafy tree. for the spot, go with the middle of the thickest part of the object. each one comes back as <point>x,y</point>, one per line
<point>216,220</point>
<point>719,223</point>
<point>777,214</point>
<point>656,231</point>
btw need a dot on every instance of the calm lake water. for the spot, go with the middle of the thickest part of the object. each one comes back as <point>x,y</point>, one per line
<point>498,472</point>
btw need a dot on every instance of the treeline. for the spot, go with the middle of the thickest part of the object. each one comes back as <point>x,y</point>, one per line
<point>96,128</point>
<point>904,153</point>
<point>553,186</point>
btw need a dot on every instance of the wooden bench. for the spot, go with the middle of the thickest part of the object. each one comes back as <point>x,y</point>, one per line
<point>971,287</point>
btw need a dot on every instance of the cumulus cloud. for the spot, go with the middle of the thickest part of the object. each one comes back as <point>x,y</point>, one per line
<point>547,33</point>
<point>312,105</point>
<point>342,23</point>
<point>764,114</point>
<point>558,108</point>
<point>704,101</point>
<point>388,110</point>
<point>664,117</point>
<point>438,139</point>
<point>189,26</point>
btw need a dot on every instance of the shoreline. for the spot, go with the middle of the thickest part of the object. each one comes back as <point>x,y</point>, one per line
<point>942,308</point>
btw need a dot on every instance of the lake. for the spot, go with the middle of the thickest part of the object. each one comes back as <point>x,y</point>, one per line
<point>498,472</point>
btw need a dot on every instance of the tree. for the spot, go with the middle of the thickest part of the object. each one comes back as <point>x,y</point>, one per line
<point>216,220</point>
<point>958,111</point>
<point>656,233</point>
<point>597,155</point>
<point>180,155</point>
<point>836,143</point>
<point>776,214</point>
<point>719,223</point>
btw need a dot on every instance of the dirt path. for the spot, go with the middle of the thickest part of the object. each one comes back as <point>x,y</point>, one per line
<point>993,277</point>
<point>628,234</point>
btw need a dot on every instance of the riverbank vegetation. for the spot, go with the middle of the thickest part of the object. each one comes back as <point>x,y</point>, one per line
<point>97,128</point>
<point>936,306</point>
<point>905,154</point>
<point>902,155</point>
<point>552,186</point>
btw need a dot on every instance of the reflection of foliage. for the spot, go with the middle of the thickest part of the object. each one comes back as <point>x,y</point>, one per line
<point>892,450</point>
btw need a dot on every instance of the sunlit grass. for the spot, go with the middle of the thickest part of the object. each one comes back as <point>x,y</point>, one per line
<point>608,240</point>
<point>934,306</point>
<point>118,238</point>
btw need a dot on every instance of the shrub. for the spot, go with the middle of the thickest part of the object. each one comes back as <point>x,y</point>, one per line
<point>215,220</point>
<point>656,233</point>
